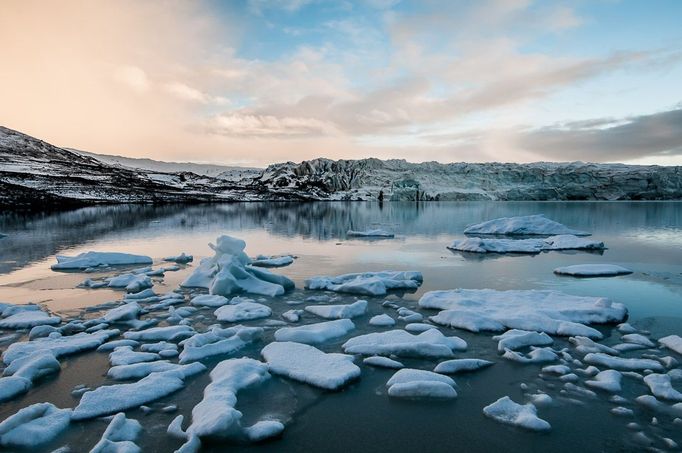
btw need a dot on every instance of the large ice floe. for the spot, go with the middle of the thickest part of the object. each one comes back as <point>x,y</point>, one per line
<point>368,283</point>
<point>429,344</point>
<point>230,271</point>
<point>523,225</point>
<point>552,312</point>
<point>98,259</point>
<point>34,425</point>
<point>272,261</point>
<point>218,341</point>
<point>592,270</point>
<point>509,412</point>
<point>315,333</point>
<point>215,416</point>
<point>243,311</point>
<point>672,342</point>
<point>57,345</point>
<point>120,436</point>
<point>308,364</point>
<point>495,245</point>
<point>412,383</point>
<point>348,311</point>
<point>27,319</point>
<point>622,363</point>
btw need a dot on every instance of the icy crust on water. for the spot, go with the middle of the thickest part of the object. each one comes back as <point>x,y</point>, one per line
<point>508,412</point>
<point>593,270</point>
<point>412,383</point>
<point>34,425</point>
<point>493,245</point>
<point>308,364</point>
<point>368,283</point>
<point>552,312</point>
<point>98,259</point>
<point>315,333</point>
<point>229,272</point>
<point>376,233</point>
<point>429,344</point>
<point>523,225</point>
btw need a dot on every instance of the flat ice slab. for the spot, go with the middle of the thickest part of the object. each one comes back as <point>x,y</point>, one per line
<point>672,342</point>
<point>593,270</point>
<point>308,364</point>
<point>430,344</point>
<point>28,319</point>
<point>508,412</point>
<point>495,245</point>
<point>34,425</point>
<point>523,225</point>
<point>552,312</point>
<point>96,259</point>
<point>412,383</point>
<point>376,233</point>
<point>244,311</point>
<point>368,283</point>
<point>348,311</point>
<point>461,365</point>
<point>315,333</point>
<point>272,261</point>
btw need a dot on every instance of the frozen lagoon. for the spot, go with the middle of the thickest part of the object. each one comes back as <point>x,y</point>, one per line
<point>644,237</point>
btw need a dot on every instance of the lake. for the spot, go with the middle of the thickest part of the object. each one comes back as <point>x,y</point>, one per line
<point>645,237</point>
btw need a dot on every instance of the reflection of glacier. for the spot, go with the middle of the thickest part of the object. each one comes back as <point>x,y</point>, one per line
<point>34,236</point>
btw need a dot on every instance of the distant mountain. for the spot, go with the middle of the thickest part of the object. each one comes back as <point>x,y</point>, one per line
<point>36,174</point>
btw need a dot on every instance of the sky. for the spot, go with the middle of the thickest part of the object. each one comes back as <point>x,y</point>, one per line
<point>253,82</point>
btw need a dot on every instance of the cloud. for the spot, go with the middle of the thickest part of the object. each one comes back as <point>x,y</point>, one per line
<point>254,125</point>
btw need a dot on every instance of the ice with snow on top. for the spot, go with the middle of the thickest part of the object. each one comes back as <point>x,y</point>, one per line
<point>229,272</point>
<point>536,224</point>
<point>144,369</point>
<point>661,387</point>
<point>347,311</point>
<point>368,283</point>
<point>34,425</point>
<point>28,319</point>
<point>315,333</point>
<point>308,364</point>
<point>418,327</point>
<point>120,436</point>
<point>111,345</point>
<point>488,245</point>
<point>124,355</point>
<point>218,341</point>
<point>244,311</point>
<point>292,315</point>
<point>648,401</point>
<point>559,370</point>
<point>182,258</point>
<point>429,344</point>
<point>623,364</point>
<point>125,312</point>
<point>536,355</point>
<point>412,383</point>
<point>455,366</point>
<point>672,342</point>
<point>382,362</point>
<point>639,339</point>
<point>586,345</point>
<point>592,270</point>
<point>168,333</point>
<point>506,411</point>
<point>571,242</point>
<point>209,300</point>
<point>20,374</point>
<point>376,233</point>
<point>272,261</point>
<point>95,259</point>
<point>551,312</point>
<point>158,347</point>
<point>133,283</point>
<point>607,380</point>
<point>516,339</point>
<point>57,345</point>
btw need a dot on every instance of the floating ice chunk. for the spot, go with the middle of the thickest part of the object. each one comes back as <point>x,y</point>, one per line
<point>608,380</point>
<point>133,283</point>
<point>382,320</point>
<point>209,300</point>
<point>111,345</point>
<point>125,312</point>
<point>308,364</point>
<point>169,333</point>
<point>586,345</point>
<point>382,362</point>
<point>674,410</point>
<point>638,339</point>
<point>412,383</point>
<point>625,347</point>
<point>147,295</point>
<point>620,363</point>
<point>348,311</point>
<point>182,258</point>
<point>315,333</point>
<point>141,370</point>
<point>508,412</point>
<point>95,259</point>
<point>537,355</point>
<point>10,309</point>
<point>124,355</point>
<point>292,315</point>
<point>661,387</point>
<point>33,366</point>
<point>592,270</point>
<point>367,283</point>
<point>376,233</point>
<point>515,339</point>
<point>455,366</point>
<point>559,370</point>
<point>34,425</point>
<point>109,399</point>
<point>407,315</point>
<point>13,386</point>
<point>229,272</point>
<point>120,436</point>
<point>418,327</point>
<point>522,225</point>
<point>264,429</point>
<point>243,311</point>
<point>158,347</point>
<point>625,327</point>
<point>272,261</point>
<point>552,312</point>
<point>57,345</point>
<point>431,343</point>
<point>622,411</point>
<point>571,242</point>
<point>487,245</point>
<point>28,319</point>
<point>218,342</point>
<point>672,342</point>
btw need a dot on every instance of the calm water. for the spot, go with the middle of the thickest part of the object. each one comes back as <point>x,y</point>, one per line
<point>645,237</point>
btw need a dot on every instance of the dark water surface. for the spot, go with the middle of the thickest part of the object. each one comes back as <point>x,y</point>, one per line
<point>645,237</point>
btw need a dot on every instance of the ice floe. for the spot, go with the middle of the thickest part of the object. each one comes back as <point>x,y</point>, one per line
<point>607,380</point>
<point>368,283</point>
<point>552,312</point>
<point>272,261</point>
<point>315,333</point>
<point>182,258</point>
<point>218,341</point>
<point>455,366</point>
<point>592,270</point>
<point>57,345</point>
<point>376,233</point>
<point>621,363</point>
<point>243,311</point>
<point>124,355</point>
<point>229,272</point>
<point>487,245</point>
<point>97,259</point>
<point>125,312</point>
<point>638,339</point>
<point>120,436</point>
<point>168,333</point>
<point>308,364</point>
<point>34,425</point>
<point>523,225</point>
<point>28,319</point>
<point>144,369</point>
<point>412,383</point>
<point>509,412</point>
<point>661,387</point>
<point>431,344</point>
<point>209,300</point>
<point>672,342</point>
<point>515,339</point>
<point>348,311</point>
<point>536,355</point>
<point>382,362</point>
<point>132,283</point>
